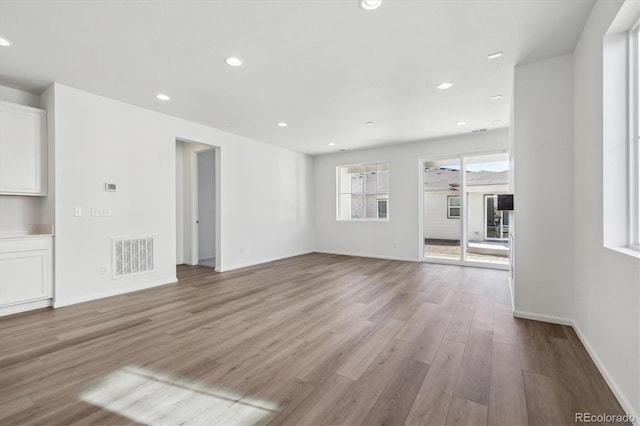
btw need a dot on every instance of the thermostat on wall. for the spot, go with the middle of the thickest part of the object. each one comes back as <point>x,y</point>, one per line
<point>111,187</point>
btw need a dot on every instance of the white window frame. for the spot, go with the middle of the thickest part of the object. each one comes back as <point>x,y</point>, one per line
<point>338,193</point>
<point>459,207</point>
<point>634,140</point>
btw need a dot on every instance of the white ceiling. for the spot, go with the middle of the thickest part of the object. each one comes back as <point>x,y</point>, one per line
<point>324,66</point>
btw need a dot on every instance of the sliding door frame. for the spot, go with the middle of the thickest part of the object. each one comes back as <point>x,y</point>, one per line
<point>464,238</point>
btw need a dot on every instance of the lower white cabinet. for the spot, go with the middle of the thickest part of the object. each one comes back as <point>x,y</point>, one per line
<point>26,273</point>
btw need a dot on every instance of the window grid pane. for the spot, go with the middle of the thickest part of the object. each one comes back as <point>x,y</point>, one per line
<point>361,190</point>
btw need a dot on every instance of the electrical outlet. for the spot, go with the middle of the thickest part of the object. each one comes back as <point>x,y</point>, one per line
<point>77,212</point>
<point>393,244</point>
<point>103,269</point>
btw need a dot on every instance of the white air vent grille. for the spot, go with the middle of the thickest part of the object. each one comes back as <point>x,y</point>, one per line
<point>133,256</point>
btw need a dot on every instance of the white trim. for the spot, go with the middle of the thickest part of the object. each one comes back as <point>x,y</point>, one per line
<point>66,302</point>
<point>626,406</point>
<point>626,251</point>
<point>544,318</point>
<point>24,306</point>
<point>371,256</point>
<point>471,263</point>
<point>260,262</point>
<point>633,164</point>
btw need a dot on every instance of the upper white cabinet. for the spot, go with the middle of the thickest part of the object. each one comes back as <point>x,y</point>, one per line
<point>22,150</point>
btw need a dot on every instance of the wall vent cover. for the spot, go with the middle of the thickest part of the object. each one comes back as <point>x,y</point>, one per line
<point>132,256</point>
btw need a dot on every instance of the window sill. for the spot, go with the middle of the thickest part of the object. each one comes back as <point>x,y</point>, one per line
<point>626,250</point>
<point>362,220</point>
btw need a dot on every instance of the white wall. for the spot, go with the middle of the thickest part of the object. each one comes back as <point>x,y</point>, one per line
<point>404,226</point>
<point>607,289</point>
<point>99,140</point>
<point>543,200</point>
<point>437,224</point>
<point>18,213</point>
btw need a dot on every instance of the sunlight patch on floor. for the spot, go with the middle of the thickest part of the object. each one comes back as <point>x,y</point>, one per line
<point>157,398</point>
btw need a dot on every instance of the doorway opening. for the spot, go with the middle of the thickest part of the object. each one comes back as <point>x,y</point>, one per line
<point>206,201</point>
<point>197,204</point>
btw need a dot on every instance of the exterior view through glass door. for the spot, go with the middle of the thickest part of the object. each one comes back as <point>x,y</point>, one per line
<point>497,224</point>
<point>461,220</point>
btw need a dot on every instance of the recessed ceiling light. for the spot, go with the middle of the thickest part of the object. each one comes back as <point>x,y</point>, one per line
<point>282,124</point>
<point>233,61</point>
<point>162,97</point>
<point>461,123</point>
<point>370,4</point>
<point>445,85</point>
<point>4,42</point>
<point>495,55</point>
<point>369,123</point>
<point>331,144</point>
<point>494,97</point>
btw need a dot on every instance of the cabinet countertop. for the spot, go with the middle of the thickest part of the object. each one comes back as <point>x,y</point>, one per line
<point>14,235</point>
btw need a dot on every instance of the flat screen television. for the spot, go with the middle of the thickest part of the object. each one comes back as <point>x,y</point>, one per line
<point>505,201</point>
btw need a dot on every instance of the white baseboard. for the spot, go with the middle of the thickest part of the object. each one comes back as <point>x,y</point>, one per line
<point>372,256</point>
<point>66,302</point>
<point>23,307</point>
<point>626,406</point>
<point>466,263</point>
<point>543,318</point>
<point>259,262</point>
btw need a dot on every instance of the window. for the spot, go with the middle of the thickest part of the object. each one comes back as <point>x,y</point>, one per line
<point>634,140</point>
<point>363,192</point>
<point>621,129</point>
<point>453,207</point>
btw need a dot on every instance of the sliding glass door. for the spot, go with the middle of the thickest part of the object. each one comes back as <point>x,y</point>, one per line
<point>442,209</point>
<point>461,219</point>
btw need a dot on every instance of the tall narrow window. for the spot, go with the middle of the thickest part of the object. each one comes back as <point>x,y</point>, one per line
<point>634,139</point>
<point>363,192</point>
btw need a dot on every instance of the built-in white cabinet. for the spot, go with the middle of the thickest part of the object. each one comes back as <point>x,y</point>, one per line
<point>26,273</point>
<point>22,150</point>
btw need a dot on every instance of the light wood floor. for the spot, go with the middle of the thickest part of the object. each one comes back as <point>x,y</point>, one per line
<point>315,339</point>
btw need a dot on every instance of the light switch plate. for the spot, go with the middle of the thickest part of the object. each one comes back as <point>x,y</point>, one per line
<point>100,212</point>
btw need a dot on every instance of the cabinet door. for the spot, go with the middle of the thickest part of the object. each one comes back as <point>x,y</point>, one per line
<point>22,150</point>
<point>25,276</point>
